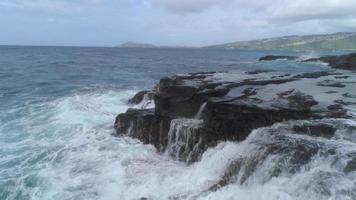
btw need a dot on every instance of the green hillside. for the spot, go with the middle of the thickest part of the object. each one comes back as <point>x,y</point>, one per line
<point>336,41</point>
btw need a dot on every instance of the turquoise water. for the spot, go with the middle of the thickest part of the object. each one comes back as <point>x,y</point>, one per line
<point>57,108</point>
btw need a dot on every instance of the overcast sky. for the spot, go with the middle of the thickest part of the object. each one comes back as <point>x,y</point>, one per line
<point>167,22</point>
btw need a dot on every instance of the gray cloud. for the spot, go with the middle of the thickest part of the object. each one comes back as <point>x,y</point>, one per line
<point>170,22</point>
<point>272,10</point>
<point>51,6</point>
<point>186,6</point>
<point>302,10</point>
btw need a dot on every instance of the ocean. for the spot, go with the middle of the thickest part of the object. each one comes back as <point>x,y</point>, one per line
<point>57,142</point>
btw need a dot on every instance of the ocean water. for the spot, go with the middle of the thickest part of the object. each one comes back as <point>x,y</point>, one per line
<point>58,105</point>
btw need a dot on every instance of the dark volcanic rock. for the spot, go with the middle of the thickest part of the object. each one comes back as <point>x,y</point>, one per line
<point>182,96</point>
<point>144,125</point>
<point>289,155</point>
<point>195,111</point>
<point>331,83</point>
<point>140,96</point>
<point>258,71</point>
<point>234,120</point>
<point>318,130</point>
<point>347,62</point>
<point>314,74</point>
<point>273,57</point>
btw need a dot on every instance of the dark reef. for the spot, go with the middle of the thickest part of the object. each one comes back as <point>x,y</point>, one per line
<point>347,62</point>
<point>273,57</point>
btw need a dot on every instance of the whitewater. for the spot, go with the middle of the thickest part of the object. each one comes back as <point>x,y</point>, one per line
<point>63,147</point>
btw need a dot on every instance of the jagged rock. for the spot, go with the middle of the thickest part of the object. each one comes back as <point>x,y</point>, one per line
<point>140,96</point>
<point>145,125</point>
<point>347,62</point>
<point>318,130</point>
<point>289,155</point>
<point>182,96</point>
<point>187,139</point>
<point>273,57</point>
<point>258,71</point>
<point>229,106</point>
<point>234,120</point>
<point>315,74</point>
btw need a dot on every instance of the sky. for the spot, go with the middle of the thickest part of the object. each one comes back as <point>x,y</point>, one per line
<point>167,22</point>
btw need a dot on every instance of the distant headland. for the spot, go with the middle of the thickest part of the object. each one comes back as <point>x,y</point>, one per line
<point>334,41</point>
<point>147,45</point>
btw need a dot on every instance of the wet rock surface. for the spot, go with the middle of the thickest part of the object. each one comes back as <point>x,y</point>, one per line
<point>140,96</point>
<point>347,62</point>
<point>196,111</point>
<point>288,148</point>
<point>316,130</point>
<point>331,83</point>
<point>288,154</point>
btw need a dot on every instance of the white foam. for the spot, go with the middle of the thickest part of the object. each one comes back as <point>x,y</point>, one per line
<point>70,154</point>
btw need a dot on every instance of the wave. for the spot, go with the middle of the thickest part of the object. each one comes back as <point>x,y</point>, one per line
<point>64,149</point>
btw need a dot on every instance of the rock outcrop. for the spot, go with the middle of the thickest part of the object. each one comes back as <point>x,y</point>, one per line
<point>140,96</point>
<point>347,62</point>
<point>195,111</point>
<point>278,57</point>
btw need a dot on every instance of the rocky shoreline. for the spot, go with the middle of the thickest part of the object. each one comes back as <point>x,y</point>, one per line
<point>347,62</point>
<point>196,111</point>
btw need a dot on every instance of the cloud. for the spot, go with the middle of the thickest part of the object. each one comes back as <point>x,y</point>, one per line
<point>229,20</point>
<point>177,22</point>
<point>303,10</point>
<point>272,10</point>
<point>186,6</point>
<point>51,6</point>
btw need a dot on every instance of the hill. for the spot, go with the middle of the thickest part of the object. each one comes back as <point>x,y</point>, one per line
<point>336,41</point>
<point>137,45</point>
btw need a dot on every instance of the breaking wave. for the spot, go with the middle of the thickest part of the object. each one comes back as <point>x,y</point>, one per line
<point>65,149</point>
<point>57,142</point>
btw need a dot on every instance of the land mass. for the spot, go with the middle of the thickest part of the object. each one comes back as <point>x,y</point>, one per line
<point>335,41</point>
<point>137,45</point>
<point>148,45</point>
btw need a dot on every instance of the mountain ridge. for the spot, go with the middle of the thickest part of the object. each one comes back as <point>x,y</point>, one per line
<point>334,41</point>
